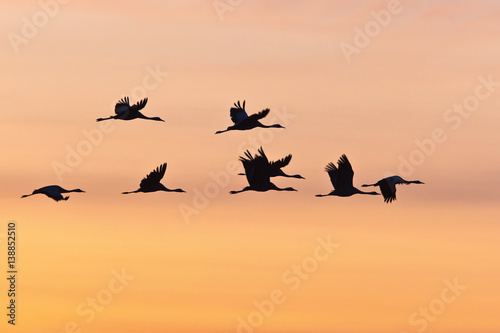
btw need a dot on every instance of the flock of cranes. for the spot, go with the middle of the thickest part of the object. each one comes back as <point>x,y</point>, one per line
<point>258,168</point>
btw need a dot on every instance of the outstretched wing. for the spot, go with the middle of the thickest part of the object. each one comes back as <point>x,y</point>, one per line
<point>340,177</point>
<point>388,189</point>
<point>282,162</point>
<point>154,176</point>
<point>238,113</point>
<point>248,165</point>
<point>53,192</point>
<point>262,155</point>
<point>396,180</point>
<point>258,116</point>
<point>256,168</point>
<point>332,172</point>
<point>122,105</point>
<point>139,105</point>
<point>345,173</point>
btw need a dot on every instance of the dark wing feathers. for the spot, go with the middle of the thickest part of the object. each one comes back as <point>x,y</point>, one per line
<point>124,101</point>
<point>261,114</point>
<point>388,191</point>
<point>237,115</point>
<point>261,171</point>
<point>256,117</point>
<point>238,106</point>
<point>262,154</point>
<point>248,155</point>
<point>341,176</point>
<point>282,162</point>
<point>139,105</point>
<point>249,166</point>
<point>122,105</point>
<point>256,168</point>
<point>345,173</point>
<point>332,172</point>
<point>154,176</point>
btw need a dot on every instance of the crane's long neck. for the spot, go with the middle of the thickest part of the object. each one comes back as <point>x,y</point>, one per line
<point>28,195</point>
<point>362,192</point>
<point>136,191</point>
<point>284,189</point>
<point>271,126</point>
<point>140,115</point>
<point>293,176</point>
<point>243,190</point>
<point>228,129</point>
<point>101,119</point>
<point>174,190</point>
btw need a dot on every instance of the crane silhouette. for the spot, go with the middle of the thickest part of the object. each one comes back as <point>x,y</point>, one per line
<point>151,183</point>
<point>124,111</point>
<point>388,186</point>
<point>242,121</point>
<point>257,170</point>
<point>53,192</point>
<point>275,166</point>
<point>341,178</point>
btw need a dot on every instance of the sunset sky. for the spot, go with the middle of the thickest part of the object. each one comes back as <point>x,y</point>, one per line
<point>400,87</point>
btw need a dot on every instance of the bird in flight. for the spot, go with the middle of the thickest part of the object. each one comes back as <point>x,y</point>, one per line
<point>257,171</point>
<point>275,166</point>
<point>151,183</point>
<point>124,111</point>
<point>53,192</point>
<point>341,178</point>
<point>388,186</point>
<point>242,121</point>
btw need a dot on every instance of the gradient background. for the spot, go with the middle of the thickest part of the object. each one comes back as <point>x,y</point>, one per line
<point>202,274</point>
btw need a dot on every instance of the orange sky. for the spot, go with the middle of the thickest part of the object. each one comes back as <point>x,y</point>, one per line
<point>204,270</point>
